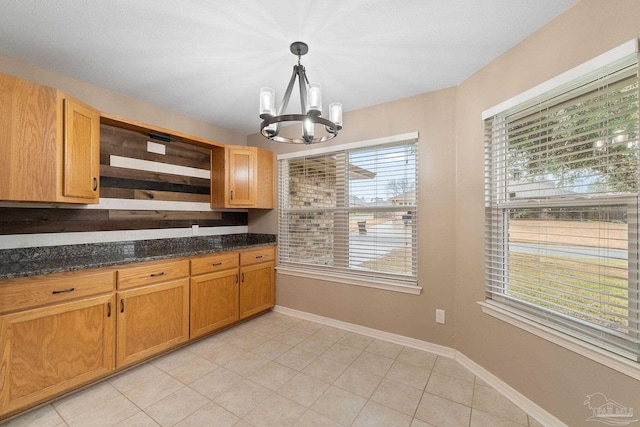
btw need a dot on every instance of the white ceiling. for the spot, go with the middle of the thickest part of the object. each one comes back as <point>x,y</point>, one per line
<point>208,58</point>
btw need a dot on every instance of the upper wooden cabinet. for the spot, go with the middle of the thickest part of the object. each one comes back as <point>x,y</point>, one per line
<point>49,145</point>
<point>241,177</point>
<point>81,170</point>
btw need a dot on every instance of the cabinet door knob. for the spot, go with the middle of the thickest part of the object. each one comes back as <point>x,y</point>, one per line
<point>63,291</point>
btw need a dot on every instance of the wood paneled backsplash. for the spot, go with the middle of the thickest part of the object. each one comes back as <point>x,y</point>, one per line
<point>151,176</point>
<point>138,190</point>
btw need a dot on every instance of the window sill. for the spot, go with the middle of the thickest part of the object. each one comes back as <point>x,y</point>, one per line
<point>613,361</point>
<point>349,280</point>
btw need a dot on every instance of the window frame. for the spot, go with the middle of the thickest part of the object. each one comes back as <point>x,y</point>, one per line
<point>343,275</point>
<point>516,312</point>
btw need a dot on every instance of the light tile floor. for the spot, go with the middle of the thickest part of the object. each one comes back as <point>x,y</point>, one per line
<point>278,370</point>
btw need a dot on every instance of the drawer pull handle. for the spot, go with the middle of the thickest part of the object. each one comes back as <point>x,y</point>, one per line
<point>258,256</point>
<point>108,309</point>
<point>63,291</point>
<point>231,194</point>
<point>95,183</point>
<point>236,278</point>
<point>242,277</point>
<point>157,274</point>
<point>215,264</point>
<point>122,305</point>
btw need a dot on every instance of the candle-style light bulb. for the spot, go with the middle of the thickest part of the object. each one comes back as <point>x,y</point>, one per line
<point>314,98</point>
<point>308,128</point>
<point>267,101</point>
<point>335,114</point>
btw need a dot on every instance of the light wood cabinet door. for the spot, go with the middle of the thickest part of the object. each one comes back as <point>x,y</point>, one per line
<point>81,150</point>
<point>214,301</point>
<point>30,130</point>
<point>48,350</point>
<point>257,288</point>
<point>49,145</point>
<point>242,176</point>
<point>151,319</point>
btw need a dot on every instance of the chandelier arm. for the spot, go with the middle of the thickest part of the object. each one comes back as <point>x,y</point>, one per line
<point>302,85</point>
<point>287,93</point>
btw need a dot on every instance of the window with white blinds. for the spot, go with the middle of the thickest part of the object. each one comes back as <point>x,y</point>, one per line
<point>351,212</point>
<point>562,209</point>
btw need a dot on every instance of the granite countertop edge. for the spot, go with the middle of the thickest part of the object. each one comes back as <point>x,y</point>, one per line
<point>41,261</point>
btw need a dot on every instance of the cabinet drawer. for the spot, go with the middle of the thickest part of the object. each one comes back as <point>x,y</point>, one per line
<point>152,272</point>
<point>30,292</point>
<point>213,263</point>
<point>254,256</point>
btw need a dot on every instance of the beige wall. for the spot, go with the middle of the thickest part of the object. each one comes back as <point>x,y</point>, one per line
<point>120,105</point>
<point>432,115</point>
<point>451,266</point>
<point>556,379</point>
<point>451,162</point>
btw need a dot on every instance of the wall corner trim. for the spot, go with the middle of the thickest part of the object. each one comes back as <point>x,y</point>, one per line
<point>506,390</point>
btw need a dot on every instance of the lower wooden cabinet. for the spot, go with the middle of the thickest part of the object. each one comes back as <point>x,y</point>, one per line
<point>61,331</point>
<point>48,350</point>
<point>151,319</point>
<point>214,301</point>
<point>257,289</point>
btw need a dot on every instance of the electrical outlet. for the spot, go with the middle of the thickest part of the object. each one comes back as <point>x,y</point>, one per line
<point>440,316</point>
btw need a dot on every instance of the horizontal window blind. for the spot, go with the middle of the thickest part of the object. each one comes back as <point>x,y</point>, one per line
<point>351,212</point>
<point>561,192</point>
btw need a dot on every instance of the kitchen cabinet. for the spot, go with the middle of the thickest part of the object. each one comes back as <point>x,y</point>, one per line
<point>81,154</point>
<point>61,331</point>
<point>52,339</point>
<point>153,317</point>
<point>214,292</point>
<point>257,281</point>
<point>49,145</point>
<point>242,177</point>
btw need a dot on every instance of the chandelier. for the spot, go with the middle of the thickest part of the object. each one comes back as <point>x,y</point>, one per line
<point>310,105</point>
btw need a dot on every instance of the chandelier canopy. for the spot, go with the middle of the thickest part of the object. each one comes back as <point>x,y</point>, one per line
<point>310,105</point>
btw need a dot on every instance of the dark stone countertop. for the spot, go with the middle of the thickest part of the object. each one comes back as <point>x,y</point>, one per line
<point>26,262</point>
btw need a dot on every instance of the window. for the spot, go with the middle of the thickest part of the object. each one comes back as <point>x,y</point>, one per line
<point>351,213</point>
<point>562,208</point>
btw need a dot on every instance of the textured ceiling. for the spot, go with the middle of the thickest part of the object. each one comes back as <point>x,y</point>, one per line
<point>208,58</point>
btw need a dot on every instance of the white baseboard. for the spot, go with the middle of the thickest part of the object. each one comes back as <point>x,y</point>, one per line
<point>518,399</point>
<point>440,350</point>
<point>506,390</point>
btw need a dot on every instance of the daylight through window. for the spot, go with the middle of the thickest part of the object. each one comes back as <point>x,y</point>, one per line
<point>562,209</point>
<point>351,212</point>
